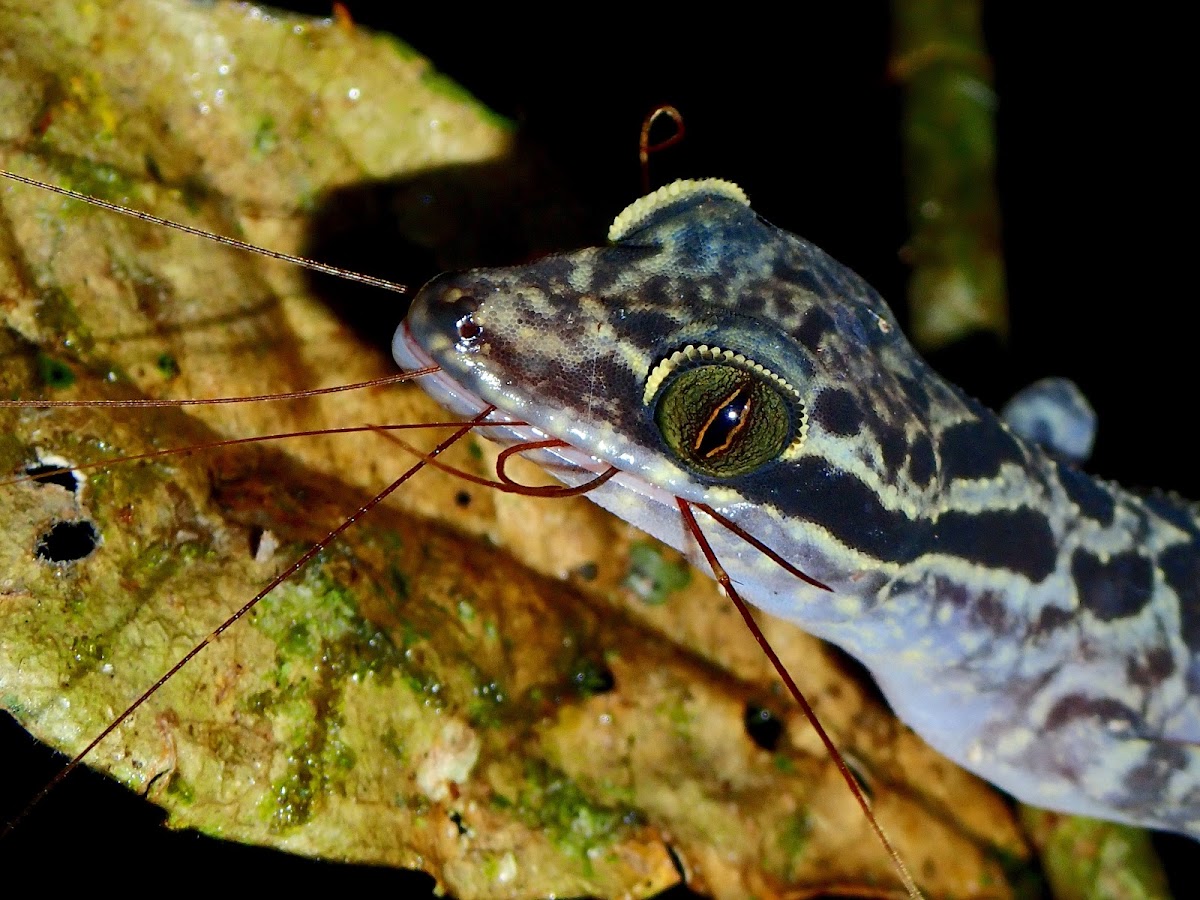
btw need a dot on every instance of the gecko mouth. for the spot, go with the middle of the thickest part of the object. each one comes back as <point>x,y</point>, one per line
<point>568,464</point>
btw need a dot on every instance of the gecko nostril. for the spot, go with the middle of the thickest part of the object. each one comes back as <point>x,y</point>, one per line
<point>468,328</point>
<point>763,726</point>
<point>66,542</point>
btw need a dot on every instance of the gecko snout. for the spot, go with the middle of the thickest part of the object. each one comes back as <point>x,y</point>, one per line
<point>441,318</point>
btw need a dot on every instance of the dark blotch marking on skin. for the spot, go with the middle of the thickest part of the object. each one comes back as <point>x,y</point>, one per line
<point>893,447</point>
<point>914,390</point>
<point>1019,540</point>
<point>656,291</point>
<point>838,412</point>
<point>1050,619</point>
<point>1152,669</point>
<point>951,592</point>
<point>752,304</point>
<point>648,326</point>
<point>606,270</point>
<point>921,461</point>
<point>986,608</point>
<point>1073,707</point>
<point>1116,589</point>
<point>803,278</point>
<point>903,586</point>
<point>547,270</point>
<point>816,325</point>
<point>567,330</point>
<point>977,449</point>
<point>1181,567</point>
<point>849,509</point>
<point>991,611</point>
<point>1178,512</point>
<point>717,287</point>
<point>1148,781</point>
<point>1093,499</point>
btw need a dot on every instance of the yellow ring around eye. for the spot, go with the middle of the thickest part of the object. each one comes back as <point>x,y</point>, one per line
<point>726,419</point>
<point>694,357</point>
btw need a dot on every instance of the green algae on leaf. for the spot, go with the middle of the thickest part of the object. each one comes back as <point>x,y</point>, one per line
<point>1085,858</point>
<point>54,373</point>
<point>552,802</point>
<point>655,573</point>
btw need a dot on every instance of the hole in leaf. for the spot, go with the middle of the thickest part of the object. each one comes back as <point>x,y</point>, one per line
<point>263,544</point>
<point>591,677</point>
<point>67,542</point>
<point>763,727</point>
<point>54,373</point>
<point>167,366</point>
<point>47,474</point>
<point>588,571</point>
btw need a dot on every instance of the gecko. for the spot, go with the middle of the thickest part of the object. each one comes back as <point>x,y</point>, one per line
<point>1038,626</point>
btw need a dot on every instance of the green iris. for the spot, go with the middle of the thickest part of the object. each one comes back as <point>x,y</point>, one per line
<point>723,420</point>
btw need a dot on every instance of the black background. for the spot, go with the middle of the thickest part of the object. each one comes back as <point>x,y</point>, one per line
<point>1097,195</point>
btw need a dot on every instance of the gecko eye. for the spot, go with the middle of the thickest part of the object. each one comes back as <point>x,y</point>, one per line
<point>721,414</point>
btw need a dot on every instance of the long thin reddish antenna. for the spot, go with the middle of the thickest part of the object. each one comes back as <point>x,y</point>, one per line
<point>504,482</point>
<point>304,262</point>
<point>44,473</point>
<point>685,509</point>
<point>645,148</point>
<point>382,381</point>
<point>759,545</point>
<point>224,626</point>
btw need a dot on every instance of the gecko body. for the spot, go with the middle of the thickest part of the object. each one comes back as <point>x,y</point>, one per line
<point>1036,625</point>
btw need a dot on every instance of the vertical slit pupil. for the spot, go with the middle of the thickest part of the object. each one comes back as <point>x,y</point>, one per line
<point>726,421</point>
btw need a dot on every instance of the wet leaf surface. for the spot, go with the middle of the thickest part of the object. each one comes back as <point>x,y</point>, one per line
<point>476,688</point>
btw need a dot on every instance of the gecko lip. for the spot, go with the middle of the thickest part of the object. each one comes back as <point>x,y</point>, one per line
<point>453,396</point>
<point>569,464</point>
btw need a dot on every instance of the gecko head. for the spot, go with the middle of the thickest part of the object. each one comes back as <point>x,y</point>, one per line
<point>703,351</point>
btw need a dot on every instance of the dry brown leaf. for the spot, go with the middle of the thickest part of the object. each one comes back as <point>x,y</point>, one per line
<point>477,688</point>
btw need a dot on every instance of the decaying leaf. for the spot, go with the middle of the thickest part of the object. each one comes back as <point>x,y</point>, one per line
<point>471,684</point>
